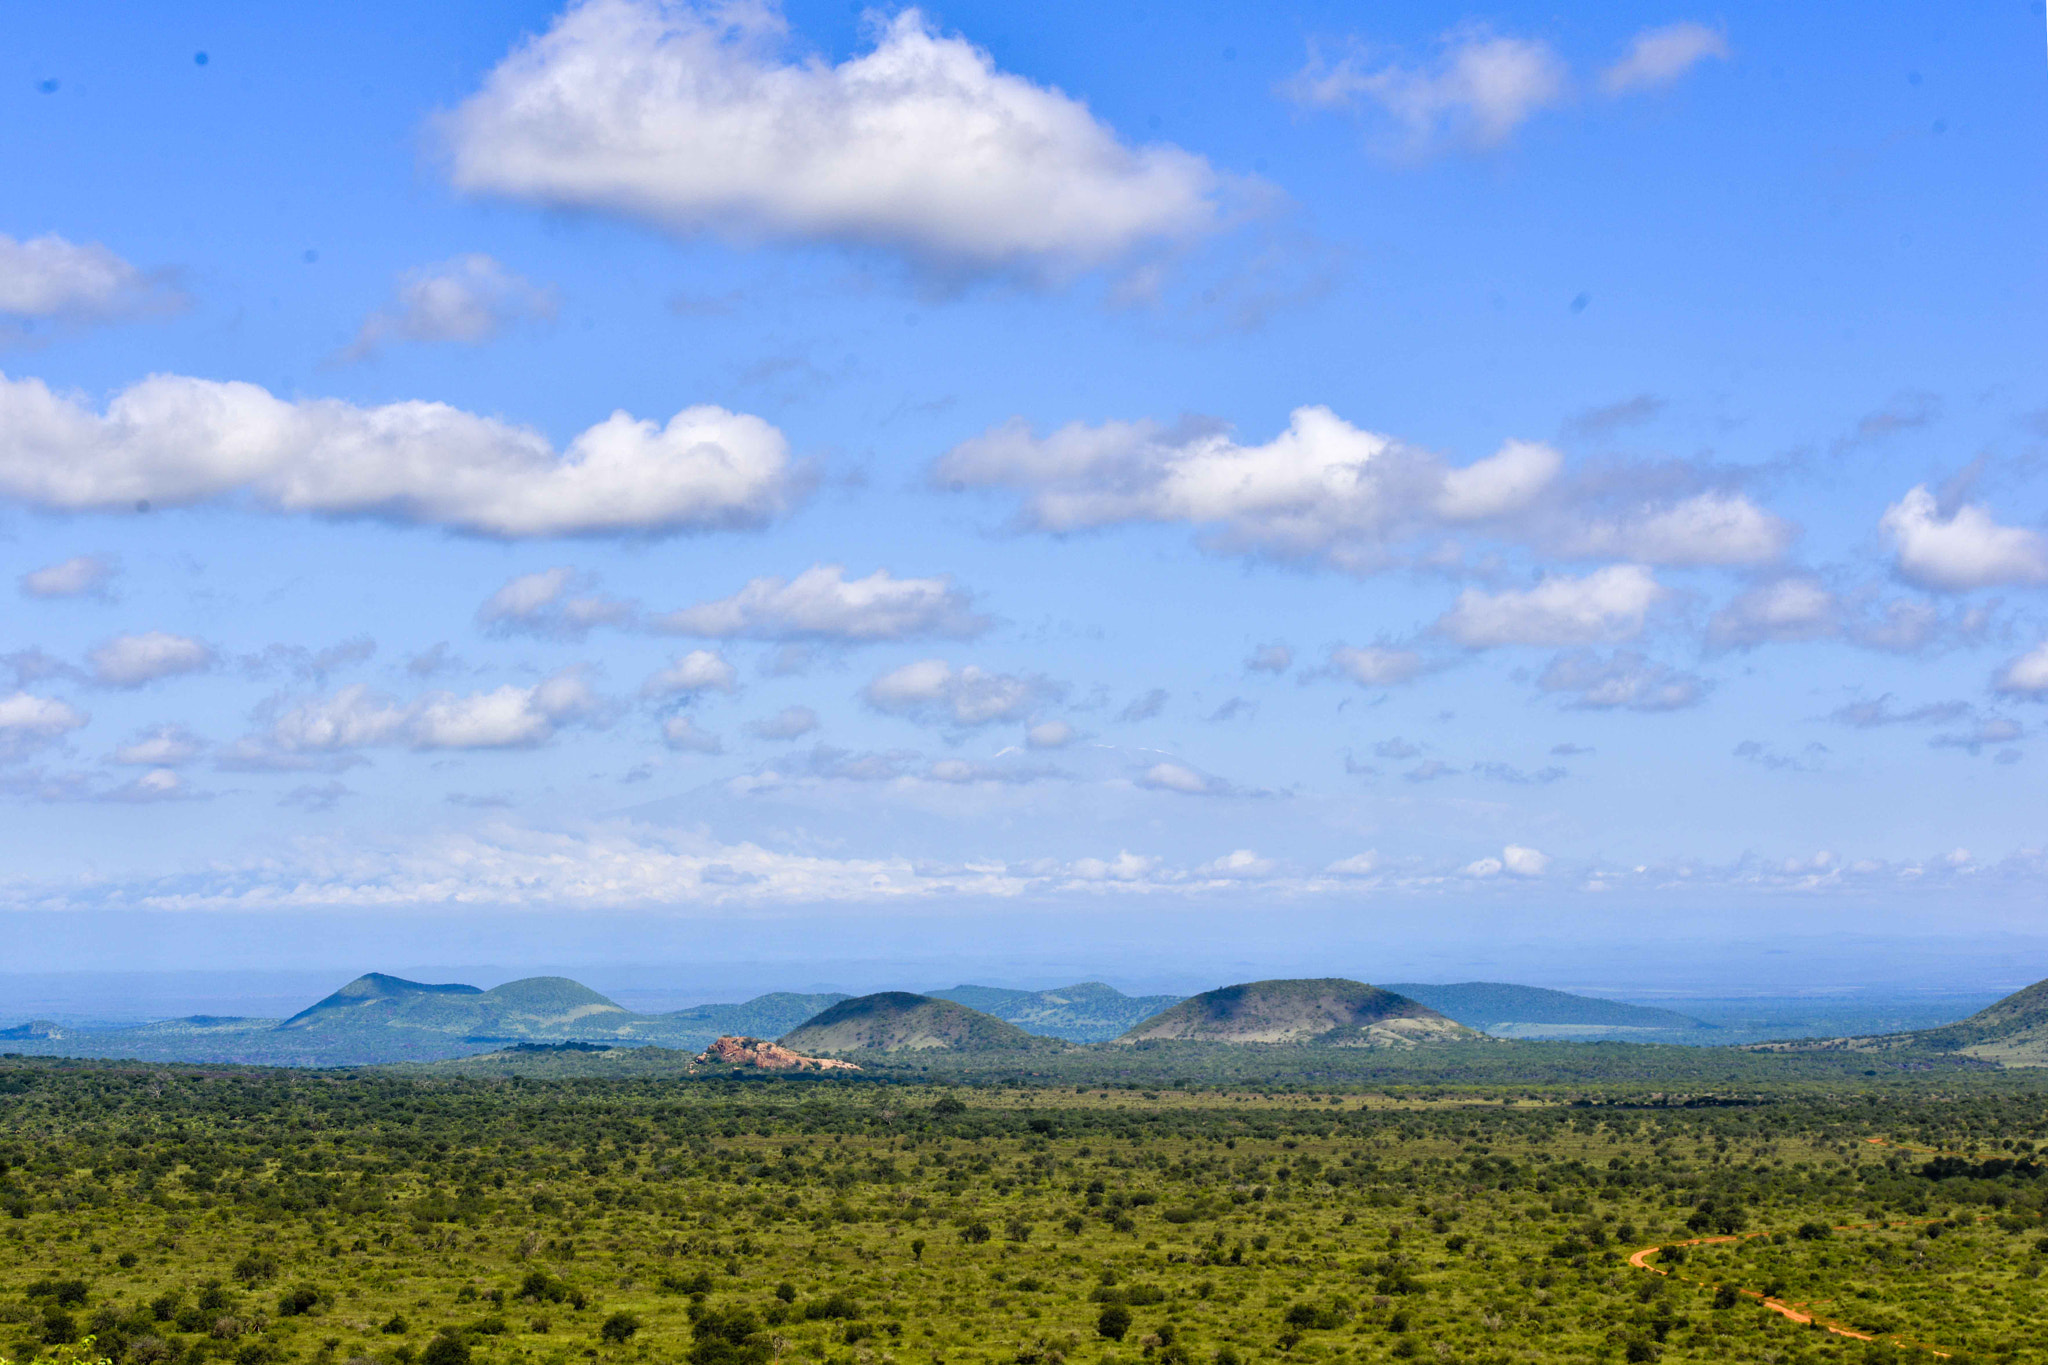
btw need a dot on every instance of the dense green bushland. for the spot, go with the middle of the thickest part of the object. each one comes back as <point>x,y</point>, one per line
<point>182,1215</point>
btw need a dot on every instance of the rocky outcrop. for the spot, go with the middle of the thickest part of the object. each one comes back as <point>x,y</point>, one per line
<point>768,1056</point>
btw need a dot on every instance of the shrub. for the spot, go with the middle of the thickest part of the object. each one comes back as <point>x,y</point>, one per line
<point>255,1268</point>
<point>1113,1322</point>
<point>618,1329</point>
<point>297,1300</point>
<point>445,1349</point>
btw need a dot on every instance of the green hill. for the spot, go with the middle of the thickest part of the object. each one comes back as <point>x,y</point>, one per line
<point>897,1021</point>
<point>765,1016</point>
<point>2010,1032</point>
<point>1086,1013</point>
<point>538,1007</point>
<point>1509,1011</point>
<point>1328,1012</point>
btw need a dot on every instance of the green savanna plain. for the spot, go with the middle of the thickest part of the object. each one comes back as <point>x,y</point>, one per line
<point>176,1215</point>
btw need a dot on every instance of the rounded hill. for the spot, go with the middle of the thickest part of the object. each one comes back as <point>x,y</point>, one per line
<point>1328,1012</point>
<point>897,1021</point>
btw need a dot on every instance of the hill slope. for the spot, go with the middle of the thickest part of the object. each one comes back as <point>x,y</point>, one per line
<point>897,1021</point>
<point>1509,1011</point>
<point>1329,1012</point>
<point>2010,1032</point>
<point>765,1016</point>
<point>536,1007</point>
<point>1090,1012</point>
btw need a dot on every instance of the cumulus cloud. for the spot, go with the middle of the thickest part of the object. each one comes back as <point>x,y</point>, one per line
<point>962,772</point>
<point>1050,734</point>
<point>791,722</point>
<point>1623,680</point>
<point>1125,867</point>
<point>49,279</point>
<point>1357,865</point>
<point>1375,666</point>
<point>553,603</point>
<point>935,692</point>
<point>507,717</point>
<point>1786,609</point>
<point>172,440</point>
<point>821,603</point>
<point>701,670</point>
<point>1607,604</point>
<point>684,735</point>
<point>1657,57</point>
<point>158,784</point>
<point>79,576</point>
<point>1178,777</point>
<point>1242,865</point>
<point>1275,659</point>
<point>1714,528</point>
<point>471,299</point>
<point>161,746</point>
<point>689,115</point>
<point>2026,676</point>
<point>1524,862</point>
<point>28,722</point>
<point>1480,88</point>
<point>1962,550</point>
<point>133,660</point>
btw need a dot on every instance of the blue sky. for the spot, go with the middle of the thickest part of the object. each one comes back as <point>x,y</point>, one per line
<point>1364,480</point>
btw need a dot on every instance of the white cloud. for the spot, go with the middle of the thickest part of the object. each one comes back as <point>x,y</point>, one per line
<point>172,440</point>
<point>1607,604</point>
<point>1376,666</point>
<point>1787,609</point>
<point>701,670</point>
<point>2027,675</point>
<point>1357,865</point>
<point>132,660</point>
<point>543,604</point>
<point>1178,777</point>
<point>1483,867</point>
<point>933,691</point>
<point>28,721</point>
<point>1125,867</point>
<point>960,772</point>
<point>471,298</point>
<point>821,603</point>
<point>158,784</point>
<point>1500,485</point>
<point>75,577</point>
<point>1050,734</point>
<point>50,278</point>
<point>1524,862</point>
<point>1242,865</point>
<point>1624,680</point>
<point>506,717</point>
<point>164,746</point>
<point>1658,56</point>
<point>687,115</point>
<point>1707,528</point>
<point>1480,89</point>
<point>683,734</point>
<point>791,722</point>
<point>1270,659</point>
<point>1963,550</point>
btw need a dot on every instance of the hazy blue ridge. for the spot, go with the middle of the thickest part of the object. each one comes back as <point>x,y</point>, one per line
<point>1089,1012</point>
<point>1503,1008</point>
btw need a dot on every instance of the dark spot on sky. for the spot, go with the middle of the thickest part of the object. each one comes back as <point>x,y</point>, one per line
<point>142,504</point>
<point>1580,301</point>
<point>1912,78</point>
<point>1940,126</point>
<point>48,87</point>
<point>1229,54</point>
<point>199,59</point>
<point>310,256</point>
<point>1152,120</point>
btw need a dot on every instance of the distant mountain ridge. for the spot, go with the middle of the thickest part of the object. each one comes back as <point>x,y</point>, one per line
<point>1089,1012</point>
<point>2010,1032</point>
<point>898,1021</point>
<point>1511,1011</point>
<point>1326,1011</point>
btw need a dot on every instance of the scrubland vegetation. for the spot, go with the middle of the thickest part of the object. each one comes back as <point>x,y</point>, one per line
<point>181,1215</point>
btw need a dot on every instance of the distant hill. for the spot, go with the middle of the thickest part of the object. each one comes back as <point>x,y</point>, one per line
<point>765,1016</point>
<point>2011,1032</point>
<point>1509,1011</point>
<point>1328,1012</point>
<point>1087,1013</point>
<point>536,1007</point>
<point>897,1021</point>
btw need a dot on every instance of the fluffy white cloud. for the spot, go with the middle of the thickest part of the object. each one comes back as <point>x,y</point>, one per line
<point>173,440</point>
<point>688,115</point>
<point>504,718</point>
<point>1483,867</point>
<point>1376,666</point>
<point>1707,528</point>
<point>158,784</point>
<point>74,577</point>
<point>1658,56</point>
<point>821,603</point>
<point>164,746</point>
<point>1050,734</point>
<point>550,603</point>
<point>1242,865</point>
<point>1357,865</point>
<point>471,298</point>
<point>2027,675</point>
<point>1963,550</point>
<point>686,736</point>
<point>1787,609</point>
<point>1125,867</point>
<point>1623,680</point>
<point>791,722</point>
<point>1178,777</point>
<point>701,670</point>
<point>48,277</point>
<point>132,660</point>
<point>27,721</point>
<point>1607,604</point>
<point>1481,87</point>
<point>1321,489</point>
<point>932,690</point>
<point>1524,862</point>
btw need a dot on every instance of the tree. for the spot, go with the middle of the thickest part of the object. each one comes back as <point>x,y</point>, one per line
<point>1114,1322</point>
<point>618,1329</point>
<point>445,1349</point>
